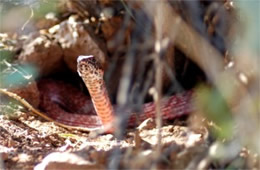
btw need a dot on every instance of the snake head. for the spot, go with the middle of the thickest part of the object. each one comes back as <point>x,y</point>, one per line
<point>89,68</point>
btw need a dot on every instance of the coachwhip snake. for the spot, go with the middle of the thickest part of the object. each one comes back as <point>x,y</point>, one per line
<point>55,97</point>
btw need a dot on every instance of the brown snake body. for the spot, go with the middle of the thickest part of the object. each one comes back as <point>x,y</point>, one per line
<point>68,107</point>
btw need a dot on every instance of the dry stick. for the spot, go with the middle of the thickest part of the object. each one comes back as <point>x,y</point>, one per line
<point>38,113</point>
<point>158,85</point>
<point>158,20</point>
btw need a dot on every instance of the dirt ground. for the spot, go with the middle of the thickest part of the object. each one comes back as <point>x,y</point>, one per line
<point>28,143</point>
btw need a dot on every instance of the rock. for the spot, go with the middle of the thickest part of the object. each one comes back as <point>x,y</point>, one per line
<point>76,40</point>
<point>57,160</point>
<point>40,50</point>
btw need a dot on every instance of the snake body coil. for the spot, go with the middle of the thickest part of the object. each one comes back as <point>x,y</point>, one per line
<point>66,106</point>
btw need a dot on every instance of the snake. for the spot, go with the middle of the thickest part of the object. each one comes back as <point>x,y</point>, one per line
<point>67,106</point>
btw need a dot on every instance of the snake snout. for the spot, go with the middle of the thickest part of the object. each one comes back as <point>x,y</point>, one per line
<point>84,57</point>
